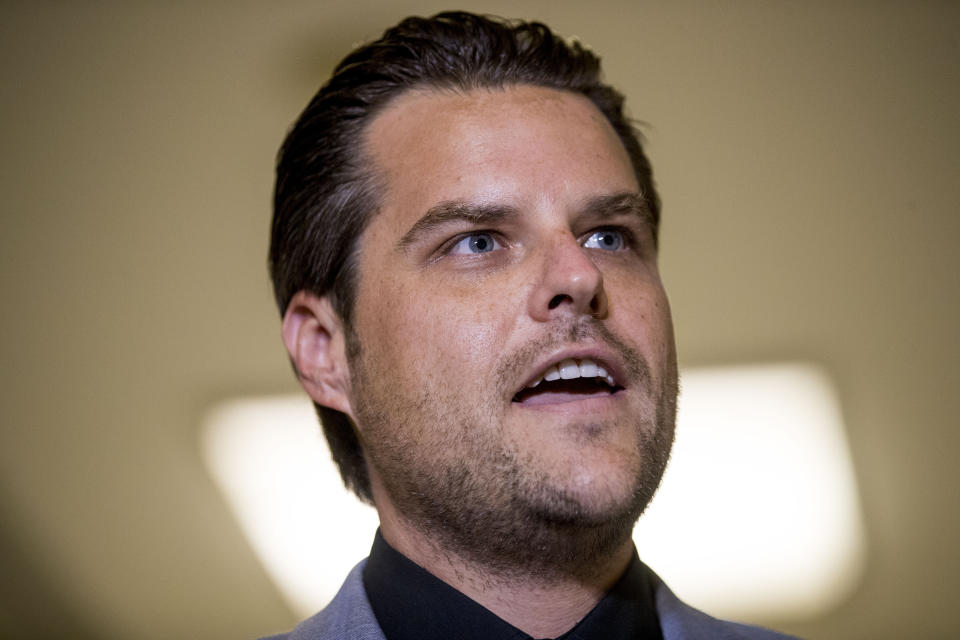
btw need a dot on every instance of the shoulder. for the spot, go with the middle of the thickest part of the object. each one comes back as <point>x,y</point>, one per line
<point>347,617</point>
<point>350,617</point>
<point>680,621</point>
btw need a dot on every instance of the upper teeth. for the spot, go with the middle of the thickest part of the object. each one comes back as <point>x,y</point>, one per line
<point>570,369</point>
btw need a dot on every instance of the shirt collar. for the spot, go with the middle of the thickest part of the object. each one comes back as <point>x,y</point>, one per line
<point>412,604</point>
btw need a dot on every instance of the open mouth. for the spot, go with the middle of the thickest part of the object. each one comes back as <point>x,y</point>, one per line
<point>569,381</point>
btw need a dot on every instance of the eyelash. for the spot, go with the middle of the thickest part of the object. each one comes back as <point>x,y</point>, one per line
<point>629,239</point>
<point>448,247</point>
<point>626,236</point>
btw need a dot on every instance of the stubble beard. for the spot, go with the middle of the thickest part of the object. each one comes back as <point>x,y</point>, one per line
<point>457,483</point>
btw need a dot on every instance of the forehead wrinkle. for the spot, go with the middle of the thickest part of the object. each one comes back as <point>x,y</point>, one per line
<point>455,211</point>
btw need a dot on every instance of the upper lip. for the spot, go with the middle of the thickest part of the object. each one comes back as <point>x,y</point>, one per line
<point>603,356</point>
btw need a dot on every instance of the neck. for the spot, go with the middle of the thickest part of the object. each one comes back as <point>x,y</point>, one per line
<point>541,604</point>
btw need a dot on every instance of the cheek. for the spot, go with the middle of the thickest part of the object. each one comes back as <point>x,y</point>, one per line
<point>465,331</point>
<point>441,332</point>
<point>642,313</point>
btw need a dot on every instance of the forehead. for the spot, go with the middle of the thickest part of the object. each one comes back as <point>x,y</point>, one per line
<point>524,146</point>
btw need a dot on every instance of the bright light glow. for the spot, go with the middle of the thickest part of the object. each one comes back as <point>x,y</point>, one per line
<point>269,457</point>
<point>757,516</point>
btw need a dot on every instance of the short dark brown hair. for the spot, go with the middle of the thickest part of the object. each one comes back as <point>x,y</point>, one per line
<point>325,191</point>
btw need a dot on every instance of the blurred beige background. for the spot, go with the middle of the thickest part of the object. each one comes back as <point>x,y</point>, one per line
<point>806,154</point>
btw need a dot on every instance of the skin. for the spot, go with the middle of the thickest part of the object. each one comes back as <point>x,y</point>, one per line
<point>469,483</point>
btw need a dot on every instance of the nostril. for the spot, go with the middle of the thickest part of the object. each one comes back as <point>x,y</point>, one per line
<point>558,299</point>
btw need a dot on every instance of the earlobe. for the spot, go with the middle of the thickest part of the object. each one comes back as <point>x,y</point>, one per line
<point>314,336</point>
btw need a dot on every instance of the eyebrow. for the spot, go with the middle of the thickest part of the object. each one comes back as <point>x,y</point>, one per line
<point>455,211</point>
<point>489,214</point>
<point>626,203</point>
<point>619,204</point>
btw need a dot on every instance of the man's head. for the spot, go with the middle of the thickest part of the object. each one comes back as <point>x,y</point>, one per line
<point>461,212</point>
<point>327,190</point>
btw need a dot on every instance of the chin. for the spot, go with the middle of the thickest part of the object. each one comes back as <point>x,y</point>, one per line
<point>590,497</point>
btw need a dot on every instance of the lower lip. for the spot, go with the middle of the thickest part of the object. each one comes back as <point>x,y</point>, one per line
<point>570,403</point>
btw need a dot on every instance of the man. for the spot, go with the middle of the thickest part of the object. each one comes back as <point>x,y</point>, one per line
<point>465,253</point>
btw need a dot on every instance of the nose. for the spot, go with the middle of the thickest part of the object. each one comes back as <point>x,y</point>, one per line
<point>569,282</point>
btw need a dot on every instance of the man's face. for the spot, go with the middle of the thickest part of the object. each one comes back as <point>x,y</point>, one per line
<point>511,245</point>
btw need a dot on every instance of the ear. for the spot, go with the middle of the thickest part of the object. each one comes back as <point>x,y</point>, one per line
<point>314,336</point>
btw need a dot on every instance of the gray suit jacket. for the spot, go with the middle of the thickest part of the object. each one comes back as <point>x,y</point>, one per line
<point>349,617</point>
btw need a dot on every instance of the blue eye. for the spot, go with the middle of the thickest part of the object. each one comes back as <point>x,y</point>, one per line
<point>607,239</point>
<point>475,243</point>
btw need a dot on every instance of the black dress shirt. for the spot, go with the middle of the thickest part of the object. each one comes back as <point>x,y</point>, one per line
<point>411,604</point>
